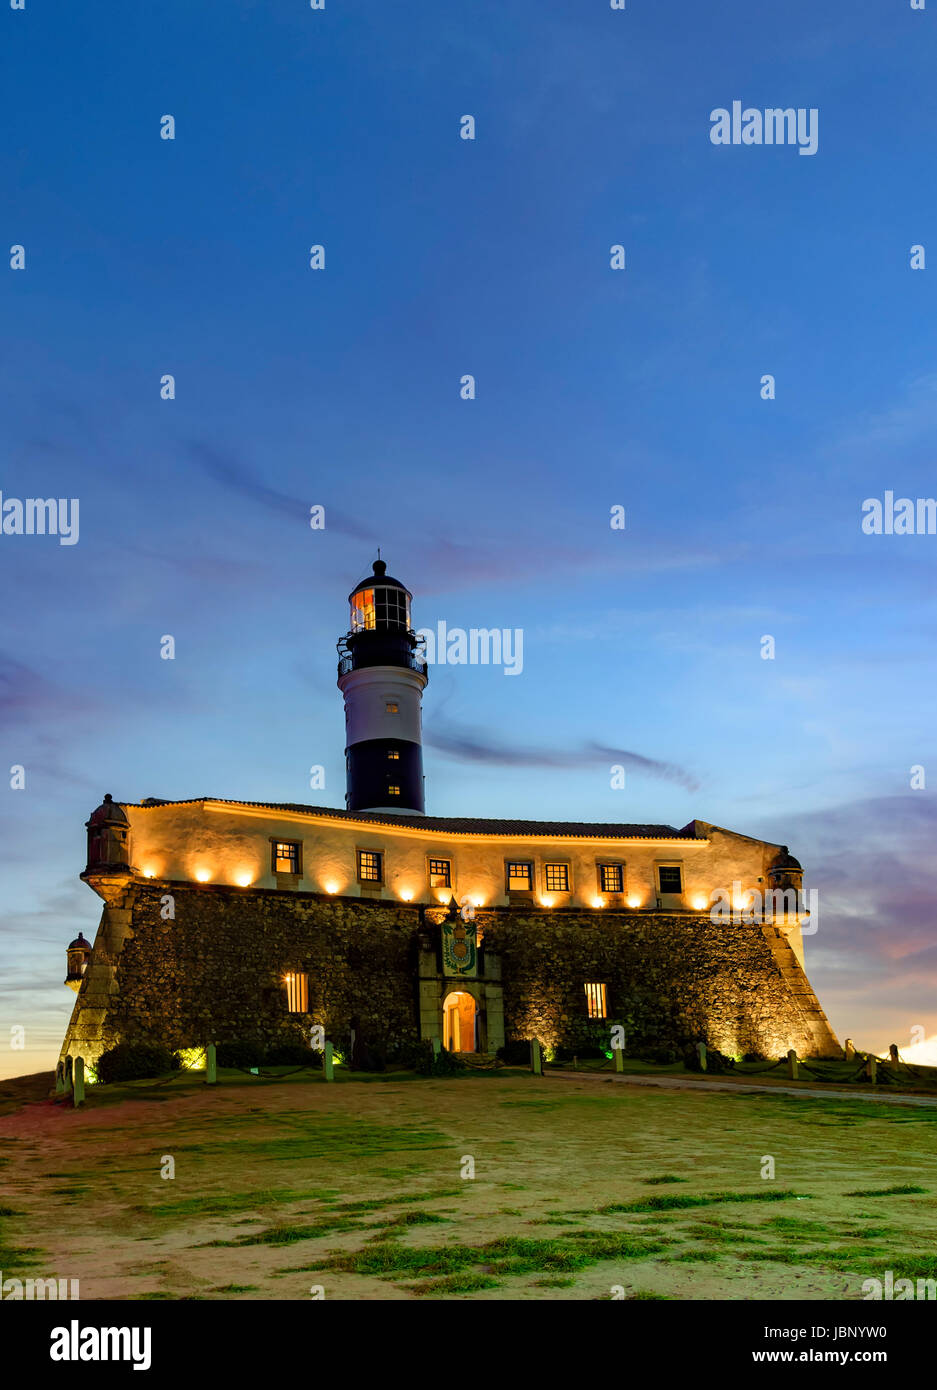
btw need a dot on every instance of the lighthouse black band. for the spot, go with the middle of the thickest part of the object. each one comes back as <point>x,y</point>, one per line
<point>384,772</point>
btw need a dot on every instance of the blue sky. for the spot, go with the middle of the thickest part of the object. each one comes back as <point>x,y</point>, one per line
<point>594,388</point>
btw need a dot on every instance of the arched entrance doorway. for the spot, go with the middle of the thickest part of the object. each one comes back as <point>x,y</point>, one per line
<point>460,1022</point>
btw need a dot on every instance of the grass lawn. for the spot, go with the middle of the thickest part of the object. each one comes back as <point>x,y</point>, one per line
<point>581,1188</point>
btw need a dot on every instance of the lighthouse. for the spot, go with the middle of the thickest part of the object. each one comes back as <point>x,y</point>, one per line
<point>382,676</point>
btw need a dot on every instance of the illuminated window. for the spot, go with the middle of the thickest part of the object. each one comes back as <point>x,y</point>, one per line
<point>393,754</point>
<point>286,857</point>
<point>611,878</point>
<point>595,1001</point>
<point>440,873</point>
<point>380,608</point>
<point>297,992</point>
<point>520,876</point>
<point>362,610</point>
<point>370,866</point>
<point>393,791</point>
<point>392,707</point>
<point>670,879</point>
<point>557,878</point>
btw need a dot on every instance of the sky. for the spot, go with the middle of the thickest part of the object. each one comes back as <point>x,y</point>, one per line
<point>595,388</point>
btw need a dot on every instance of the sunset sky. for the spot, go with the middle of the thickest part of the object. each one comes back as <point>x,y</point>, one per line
<point>595,388</point>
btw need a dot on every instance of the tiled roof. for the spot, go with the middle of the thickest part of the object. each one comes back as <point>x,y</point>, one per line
<point>458,825</point>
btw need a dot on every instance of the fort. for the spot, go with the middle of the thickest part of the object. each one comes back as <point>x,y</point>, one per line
<point>229,920</point>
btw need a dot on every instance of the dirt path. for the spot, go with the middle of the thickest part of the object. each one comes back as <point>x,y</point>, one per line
<point>691,1083</point>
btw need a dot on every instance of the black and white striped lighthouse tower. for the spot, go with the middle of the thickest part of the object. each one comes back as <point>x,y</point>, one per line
<point>382,676</point>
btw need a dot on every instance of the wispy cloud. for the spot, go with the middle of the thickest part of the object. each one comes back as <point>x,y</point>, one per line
<point>467,746</point>
<point>230,473</point>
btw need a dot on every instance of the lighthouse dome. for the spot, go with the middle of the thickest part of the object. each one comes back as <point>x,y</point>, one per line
<point>380,576</point>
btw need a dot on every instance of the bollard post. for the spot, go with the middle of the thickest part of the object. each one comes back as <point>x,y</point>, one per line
<point>327,1064</point>
<point>849,1050</point>
<point>893,1054</point>
<point>67,1078</point>
<point>60,1080</point>
<point>211,1065</point>
<point>792,1064</point>
<point>618,1053</point>
<point>536,1061</point>
<point>701,1054</point>
<point>437,1048</point>
<point>79,1086</point>
<point>872,1069</point>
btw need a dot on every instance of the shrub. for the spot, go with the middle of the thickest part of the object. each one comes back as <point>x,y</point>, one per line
<point>291,1055</point>
<point>129,1061</point>
<point>716,1061</point>
<point>405,1056</point>
<point>442,1063</point>
<point>663,1055</point>
<point>239,1054</point>
<point>583,1053</point>
<point>515,1053</point>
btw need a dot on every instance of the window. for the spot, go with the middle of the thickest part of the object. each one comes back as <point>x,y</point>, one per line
<point>595,1001</point>
<point>392,707</point>
<point>379,607</point>
<point>370,866</point>
<point>394,754</point>
<point>393,791</point>
<point>297,992</point>
<point>520,876</point>
<point>286,857</point>
<point>440,873</point>
<point>611,878</point>
<point>557,878</point>
<point>670,879</point>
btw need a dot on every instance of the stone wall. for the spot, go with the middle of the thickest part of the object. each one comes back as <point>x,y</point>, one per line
<point>215,973</point>
<point>669,978</point>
